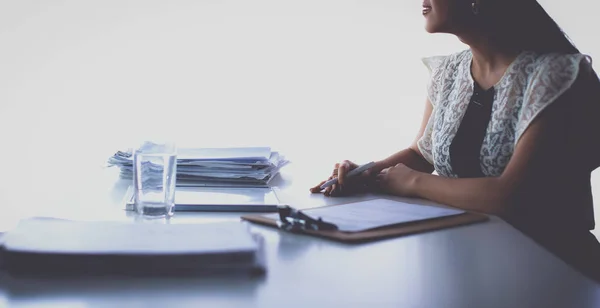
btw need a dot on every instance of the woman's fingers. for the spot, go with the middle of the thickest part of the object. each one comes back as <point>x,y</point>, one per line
<point>328,190</point>
<point>335,190</point>
<point>337,173</point>
<point>317,188</point>
<point>342,170</point>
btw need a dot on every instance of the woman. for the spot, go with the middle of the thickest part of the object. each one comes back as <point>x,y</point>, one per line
<point>508,127</point>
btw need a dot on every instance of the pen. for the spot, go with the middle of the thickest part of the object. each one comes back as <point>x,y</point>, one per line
<point>352,172</point>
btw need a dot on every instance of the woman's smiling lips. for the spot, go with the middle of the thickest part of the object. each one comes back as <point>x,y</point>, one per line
<point>426,7</point>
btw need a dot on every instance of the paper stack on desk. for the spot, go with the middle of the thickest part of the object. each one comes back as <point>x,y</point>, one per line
<point>249,166</point>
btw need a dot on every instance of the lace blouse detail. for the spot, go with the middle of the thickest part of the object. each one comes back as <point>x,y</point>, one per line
<point>530,84</point>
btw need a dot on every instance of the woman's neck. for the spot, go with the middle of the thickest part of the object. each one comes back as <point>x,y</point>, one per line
<point>489,61</point>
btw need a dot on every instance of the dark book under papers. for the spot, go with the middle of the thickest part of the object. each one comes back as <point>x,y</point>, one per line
<point>60,247</point>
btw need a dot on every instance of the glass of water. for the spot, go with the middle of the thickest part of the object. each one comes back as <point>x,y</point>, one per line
<point>154,177</point>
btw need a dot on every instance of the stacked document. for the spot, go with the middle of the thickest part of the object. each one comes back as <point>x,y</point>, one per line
<point>246,167</point>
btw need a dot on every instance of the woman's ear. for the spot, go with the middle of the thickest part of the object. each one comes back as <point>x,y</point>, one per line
<point>475,5</point>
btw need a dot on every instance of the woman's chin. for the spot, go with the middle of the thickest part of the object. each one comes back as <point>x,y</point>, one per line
<point>430,28</point>
<point>433,27</point>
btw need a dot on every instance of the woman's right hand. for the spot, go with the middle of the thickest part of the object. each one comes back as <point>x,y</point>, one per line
<point>345,185</point>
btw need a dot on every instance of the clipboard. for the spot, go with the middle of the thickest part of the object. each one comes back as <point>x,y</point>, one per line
<point>301,222</point>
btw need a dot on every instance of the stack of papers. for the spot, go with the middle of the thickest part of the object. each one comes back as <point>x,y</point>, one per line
<point>247,167</point>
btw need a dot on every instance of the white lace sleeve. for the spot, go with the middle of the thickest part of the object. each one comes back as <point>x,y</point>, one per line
<point>554,75</point>
<point>434,65</point>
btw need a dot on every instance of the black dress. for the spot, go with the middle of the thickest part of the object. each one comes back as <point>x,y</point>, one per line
<point>466,146</point>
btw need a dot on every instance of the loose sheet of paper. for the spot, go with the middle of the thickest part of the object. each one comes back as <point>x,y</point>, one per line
<point>365,215</point>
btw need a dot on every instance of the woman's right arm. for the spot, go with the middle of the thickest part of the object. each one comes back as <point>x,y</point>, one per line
<point>411,156</point>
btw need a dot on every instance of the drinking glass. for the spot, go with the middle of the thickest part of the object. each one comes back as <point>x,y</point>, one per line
<point>154,177</point>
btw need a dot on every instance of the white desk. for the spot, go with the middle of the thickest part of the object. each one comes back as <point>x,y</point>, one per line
<point>482,265</point>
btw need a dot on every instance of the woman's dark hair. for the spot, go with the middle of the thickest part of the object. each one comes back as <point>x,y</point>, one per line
<point>523,25</point>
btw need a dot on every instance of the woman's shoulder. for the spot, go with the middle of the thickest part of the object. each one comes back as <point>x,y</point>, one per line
<point>542,58</point>
<point>543,79</point>
<point>555,64</point>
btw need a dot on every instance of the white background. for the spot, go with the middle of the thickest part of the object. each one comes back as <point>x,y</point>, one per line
<point>335,79</point>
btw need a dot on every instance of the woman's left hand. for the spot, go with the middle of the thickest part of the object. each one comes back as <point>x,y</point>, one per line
<point>398,180</point>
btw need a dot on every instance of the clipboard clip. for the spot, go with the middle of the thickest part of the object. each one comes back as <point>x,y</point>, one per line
<point>294,220</point>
